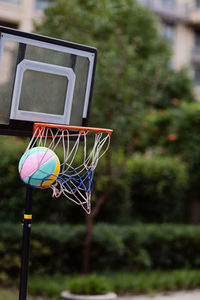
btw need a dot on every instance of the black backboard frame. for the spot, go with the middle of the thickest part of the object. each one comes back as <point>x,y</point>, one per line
<point>24,128</point>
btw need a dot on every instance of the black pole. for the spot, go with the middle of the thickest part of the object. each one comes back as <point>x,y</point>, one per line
<point>26,244</point>
<point>26,222</point>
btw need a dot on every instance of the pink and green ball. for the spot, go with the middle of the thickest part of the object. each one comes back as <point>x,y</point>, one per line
<point>39,167</point>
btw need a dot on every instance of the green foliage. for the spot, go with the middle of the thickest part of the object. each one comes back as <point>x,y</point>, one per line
<point>116,208</point>
<point>179,134</point>
<point>120,282</point>
<point>132,70</point>
<point>148,188</point>
<point>131,80</point>
<point>115,247</point>
<point>13,190</point>
<point>183,121</point>
<point>8,295</point>
<point>89,285</point>
<point>178,86</point>
<point>48,285</point>
<point>59,210</point>
<point>155,281</point>
<point>158,188</point>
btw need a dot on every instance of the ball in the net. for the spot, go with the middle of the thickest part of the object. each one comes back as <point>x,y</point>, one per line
<point>39,167</point>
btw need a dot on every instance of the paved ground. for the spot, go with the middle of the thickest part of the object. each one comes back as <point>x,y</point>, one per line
<point>193,295</point>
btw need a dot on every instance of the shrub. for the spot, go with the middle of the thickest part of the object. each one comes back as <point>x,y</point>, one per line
<point>120,282</point>
<point>89,285</point>
<point>158,188</point>
<point>56,248</point>
<point>178,130</point>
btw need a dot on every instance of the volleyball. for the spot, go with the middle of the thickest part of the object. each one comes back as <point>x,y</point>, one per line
<point>39,167</point>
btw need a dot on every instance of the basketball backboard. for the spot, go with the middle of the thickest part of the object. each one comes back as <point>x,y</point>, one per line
<point>43,79</point>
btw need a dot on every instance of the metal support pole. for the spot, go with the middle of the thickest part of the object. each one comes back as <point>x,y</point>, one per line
<point>26,244</point>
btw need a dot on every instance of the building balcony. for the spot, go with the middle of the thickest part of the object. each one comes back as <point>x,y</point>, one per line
<point>194,17</point>
<point>11,11</point>
<point>168,10</point>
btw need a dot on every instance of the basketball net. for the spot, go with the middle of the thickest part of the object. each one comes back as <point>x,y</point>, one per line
<point>78,159</point>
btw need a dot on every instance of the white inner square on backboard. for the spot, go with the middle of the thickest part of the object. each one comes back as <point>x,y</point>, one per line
<point>29,65</point>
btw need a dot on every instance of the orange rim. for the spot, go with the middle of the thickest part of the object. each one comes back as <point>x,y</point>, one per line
<point>85,130</point>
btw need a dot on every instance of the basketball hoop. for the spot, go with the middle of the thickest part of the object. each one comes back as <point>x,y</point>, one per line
<point>78,160</point>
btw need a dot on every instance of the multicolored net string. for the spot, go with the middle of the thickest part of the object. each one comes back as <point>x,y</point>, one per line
<point>78,163</point>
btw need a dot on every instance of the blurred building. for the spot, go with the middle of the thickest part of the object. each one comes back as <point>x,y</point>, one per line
<point>180,25</point>
<point>20,14</point>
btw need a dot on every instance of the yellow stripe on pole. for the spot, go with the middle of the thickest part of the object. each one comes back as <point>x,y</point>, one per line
<point>28,217</point>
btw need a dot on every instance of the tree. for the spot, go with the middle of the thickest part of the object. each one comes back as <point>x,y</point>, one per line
<point>178,130</point>
<point>131,53</point>
<point>132,72</point>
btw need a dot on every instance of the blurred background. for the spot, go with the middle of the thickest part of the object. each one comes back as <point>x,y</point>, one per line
<point>144,233</point>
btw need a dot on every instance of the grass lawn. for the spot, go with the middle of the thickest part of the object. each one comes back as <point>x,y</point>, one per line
<point>9,294</point>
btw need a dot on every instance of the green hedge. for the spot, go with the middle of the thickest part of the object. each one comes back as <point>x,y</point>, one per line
<point>123,283</point>
<point>56,248</point>
<point>177,132</point>
<point>158,188</point>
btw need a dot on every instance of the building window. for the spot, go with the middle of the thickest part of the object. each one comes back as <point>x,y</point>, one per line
<point>168,31</point>
<point>197,75</point>
<point>197,41</point>
<point>17,2</point>
<point>168,3</point>
<point>41,4</point>
<point>197,3</point>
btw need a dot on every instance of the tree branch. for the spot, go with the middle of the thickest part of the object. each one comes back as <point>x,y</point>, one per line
<point>102,199</point>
